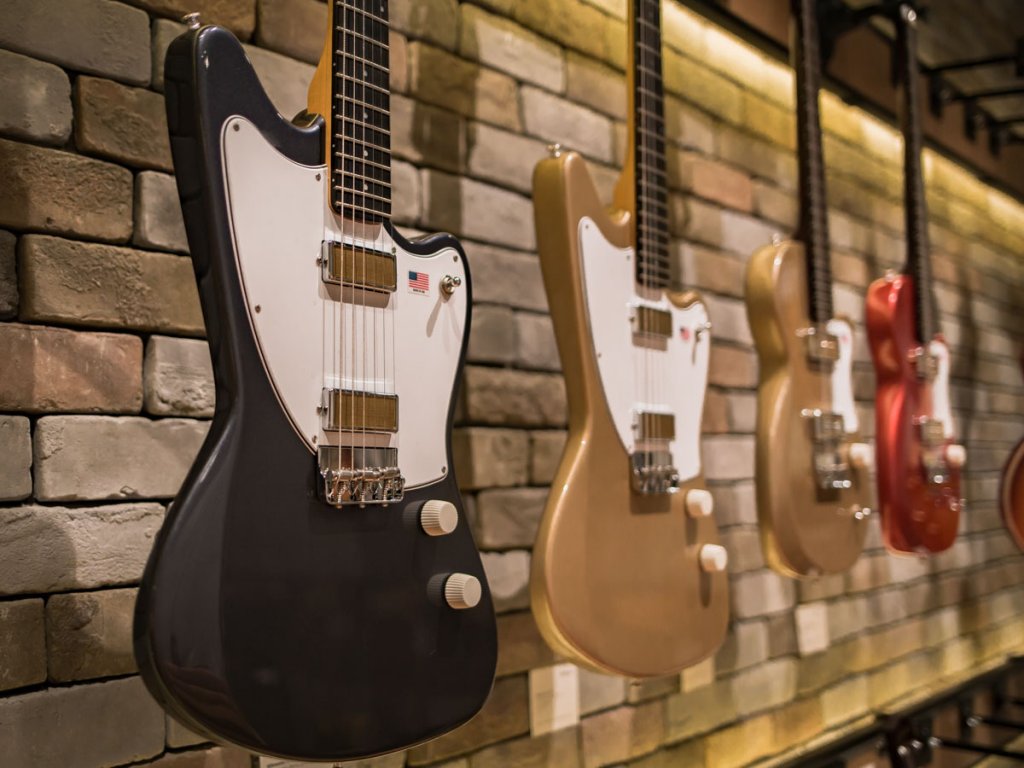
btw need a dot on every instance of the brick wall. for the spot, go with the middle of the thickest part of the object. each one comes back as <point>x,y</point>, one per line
<point>105,381</point>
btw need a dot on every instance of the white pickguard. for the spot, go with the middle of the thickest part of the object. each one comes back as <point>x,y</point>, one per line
<point>408,345</point>
<point>673,379</point>
<point>842,375</point>
<point>941,407</point>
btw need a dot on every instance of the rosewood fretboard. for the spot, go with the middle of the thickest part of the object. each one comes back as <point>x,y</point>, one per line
<point>361,111</point>
<point>813,232</point>
<point>652,265</point>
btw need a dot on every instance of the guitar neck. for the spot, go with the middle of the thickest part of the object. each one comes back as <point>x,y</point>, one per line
<point>648,137</point>
<point>918,264</point>
<point>813,230</point>
<point>360,110</point>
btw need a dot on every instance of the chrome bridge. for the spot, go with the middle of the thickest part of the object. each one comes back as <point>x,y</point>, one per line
<point>822,346</point>
<point>937,457</point>
<point>653,472</point>
<point>926,365</point>
<point>360,475</point>
<point>827,436</point>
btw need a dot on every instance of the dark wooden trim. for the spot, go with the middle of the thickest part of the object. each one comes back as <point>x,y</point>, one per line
<point>860,72</point>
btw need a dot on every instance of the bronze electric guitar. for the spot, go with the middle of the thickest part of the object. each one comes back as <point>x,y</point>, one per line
<point>813,485</point>
<point>628,576</point>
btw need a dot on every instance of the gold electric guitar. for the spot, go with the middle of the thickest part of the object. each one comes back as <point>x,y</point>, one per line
<point>628,576</point>
<point>813,473</point>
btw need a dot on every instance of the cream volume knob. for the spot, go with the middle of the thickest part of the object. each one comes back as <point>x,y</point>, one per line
<point>862,455</point>
<point>713,558</point>
<point>699,503</point>
<point>439,518</point>
<point>956,456</point>
<point>462,591</point>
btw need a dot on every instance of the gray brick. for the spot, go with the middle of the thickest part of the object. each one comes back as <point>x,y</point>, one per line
<point>95,36</point>
<point>292,27</point>
<point>35,103</point>
<point>405,203</point>
<point>490,457</point>
<point>504,45</point>
<point>477,211</point>
<point>285,80</point>
<point>15,458</point>
<point>22,644</point>
<point>502,157</point>
<point>89,634</point>
<point>125,124</point>
<point>97,457</point>
<point>433,20</point>
<point>536,343</point>
<point>178,377</point>
<point>164,33</point>
<point>493,336</point>
<point>8,276</point>
<point>48,549</point>
<point>508,575</point>
<point>508,517</point>
<point>237,15</point>
<point>83,726</point>
<point>46,190</point>
<point>554,119</point>
<point>158,220</point>
<point>105,286</point>
<point>179,736</point>
<point>509,397</point>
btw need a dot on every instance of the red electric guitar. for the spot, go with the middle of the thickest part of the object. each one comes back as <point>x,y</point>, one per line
<point>917,457</point>
<point>1011,489</point>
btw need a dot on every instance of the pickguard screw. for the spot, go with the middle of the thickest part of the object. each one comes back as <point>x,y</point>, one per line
<point>258,309</point>
<point>318,177</point>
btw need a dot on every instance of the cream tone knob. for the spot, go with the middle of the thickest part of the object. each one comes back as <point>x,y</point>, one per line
<point>862,455</point>
<point>699,503</point>
<point>439,518</point>
<point>462,591</point>
<point>956,456</point>
<point>713,558</point>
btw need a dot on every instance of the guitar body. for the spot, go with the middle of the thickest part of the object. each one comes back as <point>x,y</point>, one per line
<point>1011,494</point>
<point>919,515</point>
<point>804,529</point>
<point>267,617</point>
<point>617,583</point>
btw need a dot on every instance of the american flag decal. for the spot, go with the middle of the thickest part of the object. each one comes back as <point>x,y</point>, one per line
<point>419,282</point>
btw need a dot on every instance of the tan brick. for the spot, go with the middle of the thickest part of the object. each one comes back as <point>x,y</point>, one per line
<point>514,398</point>
<point>295,28</point>
<point>477,211</point>
<point>732,367</point>
<point>164,33</point>
<point>504,716</point>
<point>575,25</point>
<point>8,276</point>
<point>62,370</point>
<point>711,270</point>
<point>520,645</point>
<point>744,546</point>
<point>15,457</point>
<point>427,135</point>
<point>46,549</point>
<point>769,120</point>
<point>82,726</point>
<point>599,691</point>
<point>508,517</point>
<point>762,593</point>
<point>285,80</point>
<point>433,20</point>
<point>36,104</point>
<point>556,120</point>
<point>215,757</point>
<point>735,503</point>
<point>688,127</point>
<point>398,51</point>
<point>746,644</point>
<point>596,85</point>
<point>53,191</point>
<point>716,414</point>
<point>716,181</point>
<point>180,736</point>
<point>493,337</point>
<point>89,634</point>
<point>765,686</point>
<point>437,77</point>
<point>508,576</point>
<point>782,639</point>
<point>125,124</point>
<point>728,457</point>
<point>624,733</point>
<point>775,205</point>
<point>178,377</point>
<point>552,750</point>
<point>740,744</point>
<point>237,15</point>
<point>729,320</point>
<point>845,701</point>
<point>506,277</point>
<point>100,285</point>
<point>706,90</point>
<point>99,457</point>
<point>22,644</point>
<point>812,628</point>
<point>761,158</point>
<point>699,711</point>
<point>158,220</point>
<point>504,45</point>
<point>536,346</point>
<point>503,157</point>
<point>797,723</point>
<point>95,36</point>
<point>641,689</point>
<point>545,452</point>
<point>486,458</point>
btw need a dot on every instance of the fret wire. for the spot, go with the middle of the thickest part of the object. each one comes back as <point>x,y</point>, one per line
<point>362,161</point>
<point>364,209</point>
<point>360,11</point>
<point>362,37</point>
<point>361,194</point>
<point>352,176</point>
<point>359,81</point>
<point>353,57</point>
<point>365,126</point>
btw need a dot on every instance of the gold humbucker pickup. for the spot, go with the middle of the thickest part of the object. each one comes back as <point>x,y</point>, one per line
<point>655,426</point>
<point>359,267</point>
<point>650,321</point>
<point>822,346</point>
<point>933,432</point>
<point>349,411</point>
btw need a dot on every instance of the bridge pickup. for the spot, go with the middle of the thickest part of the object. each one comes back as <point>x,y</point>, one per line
<point>933,432</point>
<point>650,321</point>
<point>358,267</point>
<point>351,411</point>
<point>655,426</point>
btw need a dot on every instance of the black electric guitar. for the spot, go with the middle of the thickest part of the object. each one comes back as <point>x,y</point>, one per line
<point>315,592</point>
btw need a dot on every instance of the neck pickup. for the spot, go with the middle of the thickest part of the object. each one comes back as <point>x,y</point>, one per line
<point>357,266</point>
